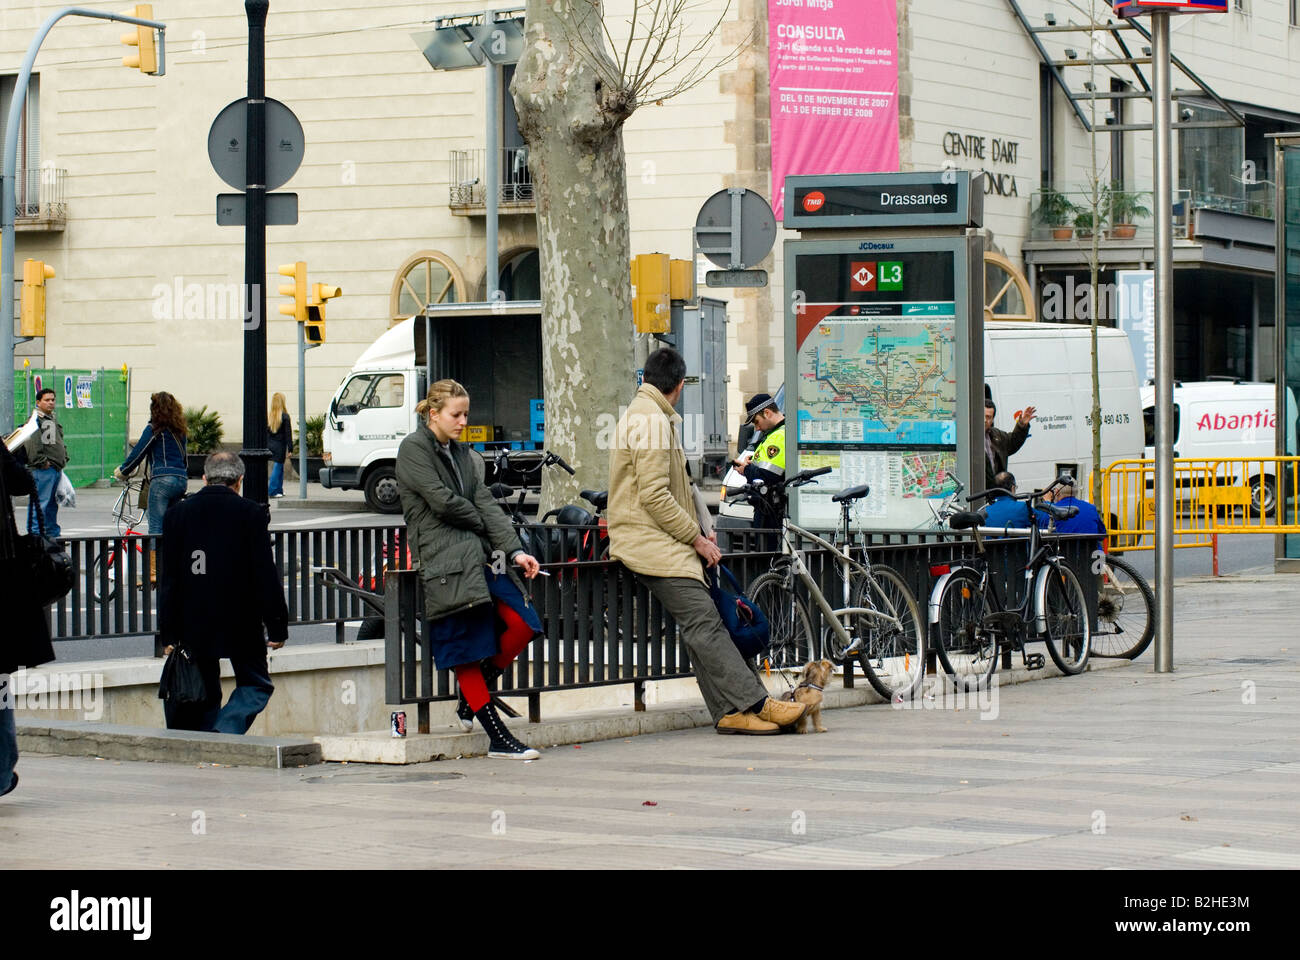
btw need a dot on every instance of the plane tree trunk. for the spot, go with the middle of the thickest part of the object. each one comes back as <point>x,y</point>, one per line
<point>571,114</point>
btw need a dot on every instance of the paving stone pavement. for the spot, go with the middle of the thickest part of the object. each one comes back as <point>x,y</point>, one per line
<point>1117,768</point>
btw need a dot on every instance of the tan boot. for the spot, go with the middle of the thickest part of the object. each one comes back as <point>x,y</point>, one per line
<point>153,568</point>
<point>746,723</point>
<point>781,712</point>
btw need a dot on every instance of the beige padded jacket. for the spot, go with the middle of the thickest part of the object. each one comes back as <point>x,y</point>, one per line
<point>652,521</point>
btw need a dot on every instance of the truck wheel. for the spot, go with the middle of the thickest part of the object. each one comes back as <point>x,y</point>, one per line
<point>381,490</point>
<point>1263,496</point>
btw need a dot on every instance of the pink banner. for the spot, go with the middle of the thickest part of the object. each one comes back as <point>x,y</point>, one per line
<point>834,88</point>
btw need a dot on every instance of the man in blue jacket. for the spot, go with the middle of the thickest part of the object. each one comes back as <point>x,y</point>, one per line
<point>1087,520</point>
<point>1005,511</point>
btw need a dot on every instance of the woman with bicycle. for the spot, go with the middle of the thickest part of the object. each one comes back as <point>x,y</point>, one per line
<point>163,442</point>
<point>479,618</point>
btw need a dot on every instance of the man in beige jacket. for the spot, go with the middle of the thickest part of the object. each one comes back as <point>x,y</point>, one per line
<point>654,532</point>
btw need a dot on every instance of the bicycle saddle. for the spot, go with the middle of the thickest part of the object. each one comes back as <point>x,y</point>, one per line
<point>501,491</point>
<point>598,500</point>
<point>1058,513</point>
<point>574,516</point>
<point>965,520</point>
<point>852,493</point>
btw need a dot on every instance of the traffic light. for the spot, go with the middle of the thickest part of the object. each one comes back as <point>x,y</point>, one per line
<point>32,322</point>
<point>651,284</point>
<point>313,331</point>
<point>682,280</point>
<point>297,290</point>
<point>145,57</point>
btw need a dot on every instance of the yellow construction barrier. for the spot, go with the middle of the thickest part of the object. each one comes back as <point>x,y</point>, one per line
<point>1214,496</point>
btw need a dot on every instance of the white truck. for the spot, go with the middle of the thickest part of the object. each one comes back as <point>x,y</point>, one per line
<point>1049,366</point>
<point>1228,419</point>
<point>374,407</point>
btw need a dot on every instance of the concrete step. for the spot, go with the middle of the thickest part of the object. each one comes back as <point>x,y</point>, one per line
<point>589,726</point>
<point>117,742</point>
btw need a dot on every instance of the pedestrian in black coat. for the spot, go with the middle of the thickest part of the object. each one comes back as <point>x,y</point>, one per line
<point>221,596</point>
<point>24,637</point>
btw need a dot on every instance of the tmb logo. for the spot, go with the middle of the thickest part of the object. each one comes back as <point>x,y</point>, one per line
<point>814,201</point>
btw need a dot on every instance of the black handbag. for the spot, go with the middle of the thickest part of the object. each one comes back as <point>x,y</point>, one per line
<point>182,681</point>
<point>51,570</point>
<point>745,622</point>
<point>142,501</point>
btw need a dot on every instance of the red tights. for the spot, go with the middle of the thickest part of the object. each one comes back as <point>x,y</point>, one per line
<point>514,639</point>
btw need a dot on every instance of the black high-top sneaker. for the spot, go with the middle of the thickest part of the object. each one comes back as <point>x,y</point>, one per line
<point>503,745</point>
<point>464,714</point>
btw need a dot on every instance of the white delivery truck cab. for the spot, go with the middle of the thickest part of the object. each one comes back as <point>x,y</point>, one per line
<point>373,409</point>
<point>1227,419</point>
<point>1049,366</point>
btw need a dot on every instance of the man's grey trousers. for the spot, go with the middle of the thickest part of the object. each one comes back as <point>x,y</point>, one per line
<point>727,681</point>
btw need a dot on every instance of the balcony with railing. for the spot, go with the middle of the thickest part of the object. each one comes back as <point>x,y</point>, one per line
<point>468,196</point>
<point>1122,216</point>
<point>39,199</point>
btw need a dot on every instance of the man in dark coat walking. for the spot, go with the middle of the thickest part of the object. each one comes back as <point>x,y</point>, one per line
<point>24,636</point>
<point>219,590</point>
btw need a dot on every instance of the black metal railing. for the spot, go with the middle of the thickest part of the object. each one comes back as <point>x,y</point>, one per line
<point>602,626</point>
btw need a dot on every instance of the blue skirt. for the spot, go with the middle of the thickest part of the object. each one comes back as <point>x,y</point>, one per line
<point>472,635</point>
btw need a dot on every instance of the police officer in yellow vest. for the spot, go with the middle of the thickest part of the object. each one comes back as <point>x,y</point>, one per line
<point>767,462</point>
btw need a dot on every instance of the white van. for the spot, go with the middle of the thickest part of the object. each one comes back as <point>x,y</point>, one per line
<point>1225,419</point>
<point>1049,366</point>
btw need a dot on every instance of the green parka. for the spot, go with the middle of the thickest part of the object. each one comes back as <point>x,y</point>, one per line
<point>453,525</point>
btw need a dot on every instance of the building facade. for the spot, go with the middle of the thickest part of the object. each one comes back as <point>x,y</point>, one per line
<point>116,191</point>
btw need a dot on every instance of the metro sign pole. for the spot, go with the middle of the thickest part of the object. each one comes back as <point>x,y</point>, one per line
<point>1162,126</point>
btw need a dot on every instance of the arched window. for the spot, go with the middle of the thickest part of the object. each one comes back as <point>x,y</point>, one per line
<point>426,277</point>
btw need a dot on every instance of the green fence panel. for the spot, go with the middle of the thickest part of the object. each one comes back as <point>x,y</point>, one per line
<point>92,405</point>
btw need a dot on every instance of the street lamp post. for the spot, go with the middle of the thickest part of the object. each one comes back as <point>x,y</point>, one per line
<point>8,193</point>
<point>1164,213</point>
<point>255,453</point>
<point>486,39</point>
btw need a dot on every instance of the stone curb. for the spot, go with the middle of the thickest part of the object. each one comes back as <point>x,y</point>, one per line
<point>383,747</point>
<point>323,506</point>
<point>114,742</point>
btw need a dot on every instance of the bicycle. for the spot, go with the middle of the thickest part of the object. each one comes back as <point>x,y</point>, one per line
<point>878,623</point>
<point>1126,611</point>
<point>105,564</point>
<point>974,623</point>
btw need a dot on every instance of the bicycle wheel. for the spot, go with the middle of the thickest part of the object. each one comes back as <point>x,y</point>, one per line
<point>967,648</point>
<point>791,642</point>
<point>1065,612</point>
<point>104,563</point>
<point>892,654</point>
<point>1126,612</point>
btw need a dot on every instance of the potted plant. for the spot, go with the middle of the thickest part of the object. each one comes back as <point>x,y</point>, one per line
<point>313,431</point>
<point>1055,211</point>
<point>203,436</point>
<point>1084,226</point>
<point>1125,209</point>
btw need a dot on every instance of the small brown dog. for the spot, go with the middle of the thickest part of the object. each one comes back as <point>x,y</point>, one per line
<point>812,680</point>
